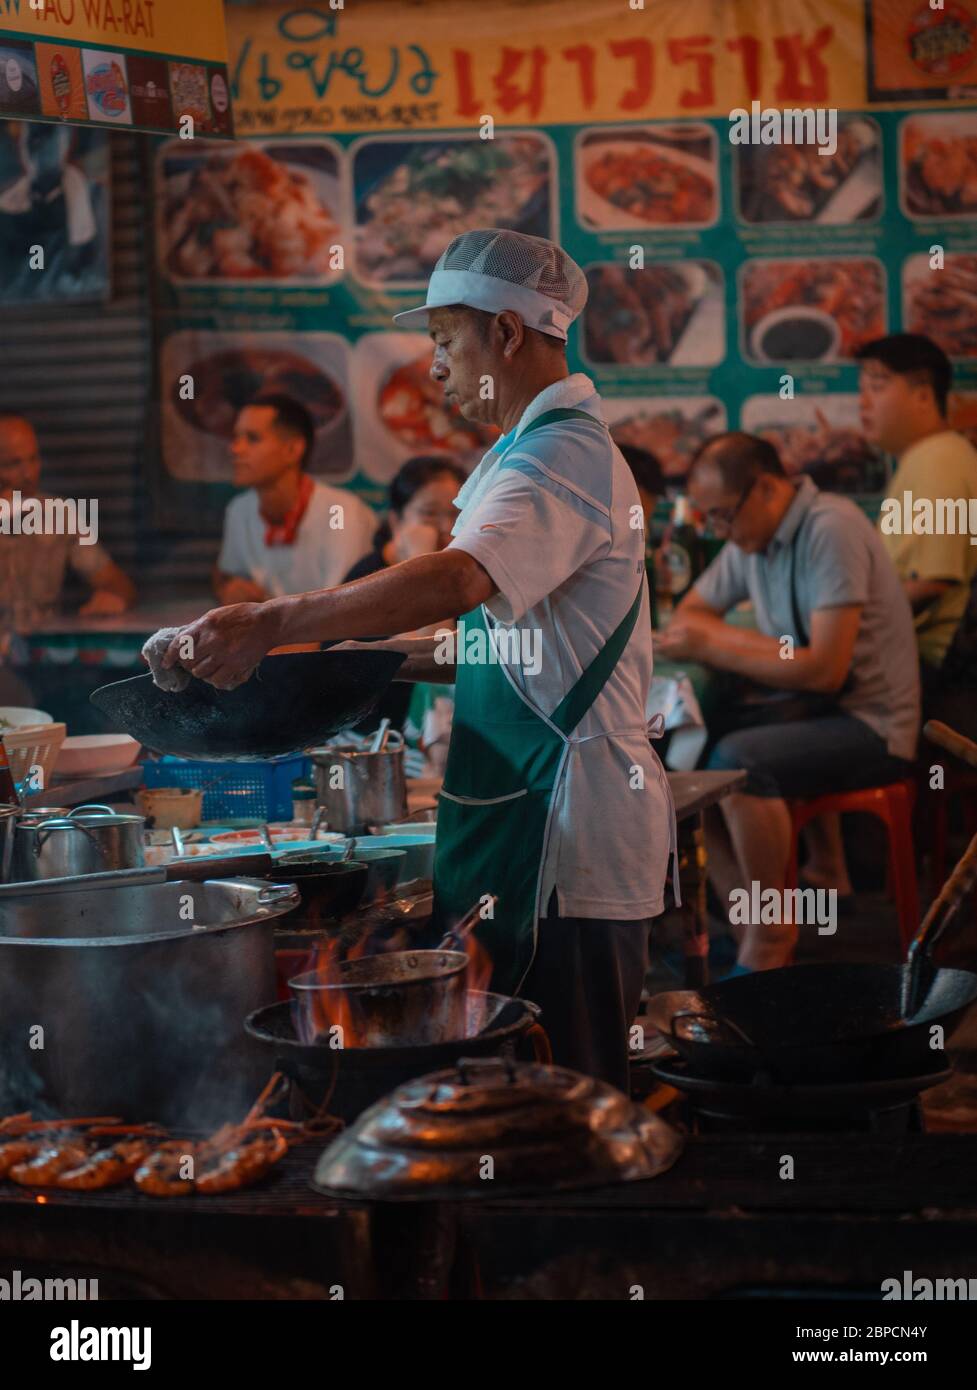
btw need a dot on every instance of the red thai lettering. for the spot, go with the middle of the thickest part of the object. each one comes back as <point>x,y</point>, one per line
<point>585,57</point>
<point>696,49</point>
<point>748,47</point>
<point>467,103</point>
<point>642,54</point>
<point>510,98</point>
<point>796,57</point>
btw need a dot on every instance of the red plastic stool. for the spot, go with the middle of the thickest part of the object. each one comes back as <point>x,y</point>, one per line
<point>893,806</point>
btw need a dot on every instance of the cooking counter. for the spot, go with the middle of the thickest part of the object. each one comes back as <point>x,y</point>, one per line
<point>858,1210</point>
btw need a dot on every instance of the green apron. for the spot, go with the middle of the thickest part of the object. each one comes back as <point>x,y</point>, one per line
<point>505,762</point>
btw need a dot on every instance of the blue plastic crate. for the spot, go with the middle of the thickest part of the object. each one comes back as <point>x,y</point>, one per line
<point>261,790</point>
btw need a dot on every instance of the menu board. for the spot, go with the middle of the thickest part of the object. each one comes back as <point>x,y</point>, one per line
<point>140,64</point>
<point>730,283</point>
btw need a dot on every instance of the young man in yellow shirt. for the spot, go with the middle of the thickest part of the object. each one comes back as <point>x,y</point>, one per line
<point>926,518</point>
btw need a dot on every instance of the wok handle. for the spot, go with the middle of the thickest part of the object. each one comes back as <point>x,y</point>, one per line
<point>454,940</point>
<point>721,1023</point>
<point>951,895</point>
<point>963,748</point>
<point>272,893</point>
<point>537,1035</point>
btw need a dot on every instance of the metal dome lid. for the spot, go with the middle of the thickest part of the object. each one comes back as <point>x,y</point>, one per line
<point>491,1127</point>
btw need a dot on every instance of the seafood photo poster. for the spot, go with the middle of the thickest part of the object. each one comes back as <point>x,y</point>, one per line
<point>730,284</point>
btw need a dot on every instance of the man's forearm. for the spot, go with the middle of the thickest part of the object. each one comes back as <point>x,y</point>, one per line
<point>399,599</point>
<point>758,657</point>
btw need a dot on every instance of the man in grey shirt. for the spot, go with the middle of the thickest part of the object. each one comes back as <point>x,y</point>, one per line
<point>833,646</point>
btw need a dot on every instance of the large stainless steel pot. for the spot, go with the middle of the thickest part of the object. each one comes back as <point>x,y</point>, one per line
<point>88,840</point>
<point>358,788</point>
<point>131,1001</point>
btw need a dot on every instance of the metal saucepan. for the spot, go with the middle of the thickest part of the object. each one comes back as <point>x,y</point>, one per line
<point>289,703</point>
<point>88,840</point>
<point>395,999</point>
<point>140,994</point>
<point>360,787</point>
<point>823,1023</point>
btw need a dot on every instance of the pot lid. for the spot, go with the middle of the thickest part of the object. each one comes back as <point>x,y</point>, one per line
<point>490,1127</point>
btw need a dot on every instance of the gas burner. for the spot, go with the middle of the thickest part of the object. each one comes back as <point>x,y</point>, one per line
<point>889,1106</point>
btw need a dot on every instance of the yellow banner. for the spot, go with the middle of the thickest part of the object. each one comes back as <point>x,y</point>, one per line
<point>375,65</point>
<point>173,28</point>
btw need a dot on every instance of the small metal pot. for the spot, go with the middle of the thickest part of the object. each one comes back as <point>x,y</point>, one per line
<point>370,790</point>
<point>89,840</point>
<point>401,999</point>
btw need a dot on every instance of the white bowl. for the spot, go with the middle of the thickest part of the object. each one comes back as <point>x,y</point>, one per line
<point>94,754</point>
<point>19,716</point>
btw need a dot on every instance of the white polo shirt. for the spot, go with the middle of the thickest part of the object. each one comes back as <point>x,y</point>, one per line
<point>552,523</point>
<point>327,545</point>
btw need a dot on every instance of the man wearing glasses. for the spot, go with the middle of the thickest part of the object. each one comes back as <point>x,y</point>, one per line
<point>823,695</point>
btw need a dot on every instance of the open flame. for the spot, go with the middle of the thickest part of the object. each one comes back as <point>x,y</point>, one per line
<point>323,1012</point>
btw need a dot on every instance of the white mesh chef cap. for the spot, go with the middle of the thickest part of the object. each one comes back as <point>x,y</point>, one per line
<point>496,270</point>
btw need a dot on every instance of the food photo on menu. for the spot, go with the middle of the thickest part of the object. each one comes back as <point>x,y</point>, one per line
<point>801,183</point>
<point>229,370</point>
<point>810,310</point>
<point>412,196</point>
<point>655,175</point>
<point>671,313</point>
<point>270,212</point>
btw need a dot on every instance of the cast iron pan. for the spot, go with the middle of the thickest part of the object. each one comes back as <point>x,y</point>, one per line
<point>290,703</point>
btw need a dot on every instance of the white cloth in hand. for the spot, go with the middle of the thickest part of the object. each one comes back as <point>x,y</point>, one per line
<point>175,678</point>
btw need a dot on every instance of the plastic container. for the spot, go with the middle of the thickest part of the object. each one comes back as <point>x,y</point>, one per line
<point>171,806</point>
<point>233,790</point>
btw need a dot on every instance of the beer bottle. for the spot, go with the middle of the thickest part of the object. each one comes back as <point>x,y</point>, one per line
<point>685,556</point>
<point>8,791</point>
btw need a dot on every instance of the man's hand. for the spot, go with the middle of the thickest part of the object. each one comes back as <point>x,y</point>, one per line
<point>227,643</point>
<point>103,604</point>
<point>687,638</point>
<point>238,590</point>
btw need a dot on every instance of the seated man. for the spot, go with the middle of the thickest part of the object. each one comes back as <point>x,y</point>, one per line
<point>905,380</point>
<point>833,636</point>
<point>288,533</point>
<point>33,565</point>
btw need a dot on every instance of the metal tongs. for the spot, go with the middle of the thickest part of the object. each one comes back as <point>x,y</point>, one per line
<point>454,939</point>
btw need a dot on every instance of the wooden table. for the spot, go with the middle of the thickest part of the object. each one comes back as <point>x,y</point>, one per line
<point>694,793</point>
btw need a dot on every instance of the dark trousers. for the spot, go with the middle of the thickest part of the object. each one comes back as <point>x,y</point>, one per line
<point>587,977</point>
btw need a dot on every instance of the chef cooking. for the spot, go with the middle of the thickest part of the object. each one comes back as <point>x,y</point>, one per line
<point>554,802</point>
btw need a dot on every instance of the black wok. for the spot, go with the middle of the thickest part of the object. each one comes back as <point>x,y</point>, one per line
<point>828,1022</point>
<point>812,1023</point>
<point>290,703</point>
